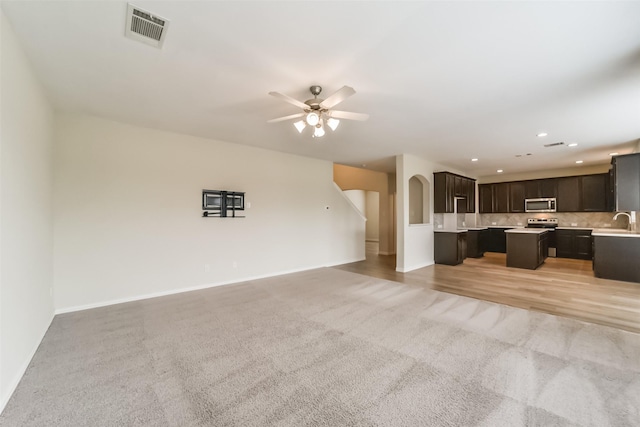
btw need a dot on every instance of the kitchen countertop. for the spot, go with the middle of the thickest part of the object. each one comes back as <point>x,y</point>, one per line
<point>614,232</point>
<point>505,226</point>
<point>527,230</point>
<point>450,230</point>
<point>474,228</point>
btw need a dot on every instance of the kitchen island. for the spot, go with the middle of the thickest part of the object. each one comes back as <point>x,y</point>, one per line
<point>526,247</point>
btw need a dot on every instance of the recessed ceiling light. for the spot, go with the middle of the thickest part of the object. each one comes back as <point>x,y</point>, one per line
<point>573,144</point>
<point>542,134</point>
<point>578,161</point>
<point>499,171</point>
<point>613,154</point>
<point>475,160</point>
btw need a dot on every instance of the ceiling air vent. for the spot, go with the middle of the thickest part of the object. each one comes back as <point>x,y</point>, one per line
<point>554,144</point>
<point>145,26</point>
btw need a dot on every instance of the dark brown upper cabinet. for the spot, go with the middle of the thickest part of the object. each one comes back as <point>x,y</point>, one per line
<point>548,188</point>
<point>587,193</point>
<point>569,194</point>
<point>501,197</point>
<point>447,186</point>
<point>494,198</point>
<point>485,198</point>
<point>595,189</point>
<point>626,173</point>
<point>517,191</point>
<point>471,195</point>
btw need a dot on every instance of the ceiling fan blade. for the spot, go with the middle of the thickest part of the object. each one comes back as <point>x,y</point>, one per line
<point>282,119</point>
<point>348,115</point>
<point>290,100</point>
<point>338,97</point>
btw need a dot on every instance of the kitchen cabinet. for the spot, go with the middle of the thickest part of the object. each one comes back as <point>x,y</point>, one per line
<point>548,188</point>
<point>541,188</point>
<point>449,247</point>
<point>501,197</point>
<point>626,171</point>
<point>448,186</point>
<point>616,258</point>
<point>497,240</point>
<point>460,186</point>
<point>569,194</point>
<point>471,195</point>
<point>485,198</point>
<point>494,198</point>
<point>586,193</point>
<point>594,191</point>
<point>517,191</point>
<point>576,244</point>
<point>526,248</point>
<point>476,242</point>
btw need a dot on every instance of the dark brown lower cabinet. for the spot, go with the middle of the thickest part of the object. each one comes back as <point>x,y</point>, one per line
<point>476,243</point>
<point>449,247</point>
<point>576,244</point>
<point>616,258</point>
<point>526,250</point>
<point>496,240</point>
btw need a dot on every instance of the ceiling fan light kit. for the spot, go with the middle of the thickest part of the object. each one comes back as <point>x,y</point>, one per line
<point>317,111</point>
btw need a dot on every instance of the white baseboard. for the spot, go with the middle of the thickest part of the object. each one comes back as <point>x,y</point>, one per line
<point>346,262</point>
<point>189,289</point>
<point>18,376</point>
<point>413,267</point>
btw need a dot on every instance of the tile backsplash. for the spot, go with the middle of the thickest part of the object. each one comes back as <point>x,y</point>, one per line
<point>565,219</point>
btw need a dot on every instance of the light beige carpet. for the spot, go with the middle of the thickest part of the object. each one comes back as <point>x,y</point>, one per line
<point>327,348</point>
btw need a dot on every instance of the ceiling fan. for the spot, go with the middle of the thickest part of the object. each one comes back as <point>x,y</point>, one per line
<point>317,112</point>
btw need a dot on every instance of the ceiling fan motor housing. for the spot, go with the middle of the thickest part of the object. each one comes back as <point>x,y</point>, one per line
<point>314,103</point>
<point>315,90</point>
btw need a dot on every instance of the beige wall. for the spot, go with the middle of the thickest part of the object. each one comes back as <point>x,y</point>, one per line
<point>372,212</point>
<point>350,178</point>
<point>128,220</point>
<point>26,226</point>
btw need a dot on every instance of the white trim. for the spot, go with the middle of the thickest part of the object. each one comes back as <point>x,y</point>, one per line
<point>414,267</point>
<point>18,377</point>
<point>192,288</point>
<point>345,262</point>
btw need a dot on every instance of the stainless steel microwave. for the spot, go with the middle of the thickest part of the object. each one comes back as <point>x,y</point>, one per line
<point>540,205</point>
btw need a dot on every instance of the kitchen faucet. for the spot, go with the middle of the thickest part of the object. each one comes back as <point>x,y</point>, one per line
<point>632,219</point>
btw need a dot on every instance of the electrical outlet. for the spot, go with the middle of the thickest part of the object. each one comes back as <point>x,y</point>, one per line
<point>464,224</point>
<point>439,225</point>
<point>248,205</point>
<point>493,223</point>
<point>607,225</point>
<point>519,223</point>
<point>574,224</point>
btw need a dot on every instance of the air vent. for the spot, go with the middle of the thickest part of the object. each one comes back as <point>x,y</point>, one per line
<point>145,27</point>
<point>554,144</point>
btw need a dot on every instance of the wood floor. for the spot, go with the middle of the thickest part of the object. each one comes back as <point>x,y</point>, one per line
<point>564,287</point>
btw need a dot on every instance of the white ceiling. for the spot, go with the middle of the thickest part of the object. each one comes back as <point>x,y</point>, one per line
<point>446,81</point>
